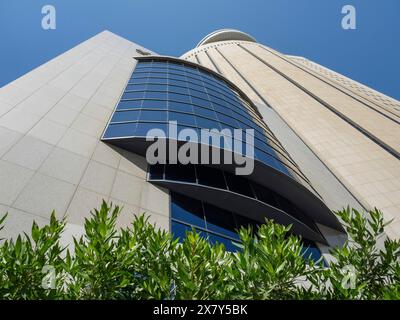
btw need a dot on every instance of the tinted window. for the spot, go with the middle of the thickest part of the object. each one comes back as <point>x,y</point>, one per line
<point>220,221</point>
<point>179,172</point>
<point>187,210</point>
<point>238,184</point>
<point>211,177</point>
<point>126,116</point>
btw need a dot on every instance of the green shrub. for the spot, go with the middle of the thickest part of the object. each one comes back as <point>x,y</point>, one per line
<point>142,262</point>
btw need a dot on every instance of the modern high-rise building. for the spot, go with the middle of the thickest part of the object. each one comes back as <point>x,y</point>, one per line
<point>73,132</point>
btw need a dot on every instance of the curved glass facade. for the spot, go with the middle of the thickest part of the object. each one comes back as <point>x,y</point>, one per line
<point>162,91</point>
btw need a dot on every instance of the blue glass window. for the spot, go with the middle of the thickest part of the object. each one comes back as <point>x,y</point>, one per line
<point>220,221</point>
<point>156,87</point>
<point>130,104</point>
<point>187,210</point>
<point>201,102</point>
<point>205,113</point>
<point>120,116</point>
<point>207,123</point>
<point>228,120</point>
<point>137,87</point>
<point>179,97</point>
<point>133,95</point>
<point>143,128</point>
<point>182,118</point>
<point>120,130</point>
<point>177,82</point>
<point>153,115</point>
<point>157,80</point>
<point>180,106</point>
<point>156,95</point>
<point>154,104</point>
<point>178,89</point>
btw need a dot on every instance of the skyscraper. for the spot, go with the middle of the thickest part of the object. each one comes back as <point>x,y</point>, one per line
<point>73,132</point>
<point>344,135</point>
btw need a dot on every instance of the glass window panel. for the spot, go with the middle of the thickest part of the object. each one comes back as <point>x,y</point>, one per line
<point>201,102</point>
<point>143,128</point>
<point>178,97</point>
<point>219,220</point>
<point>140,74</point>
<point>160,68</point>
<point>199,94</point>
<point>125,116</point>
<point>265,195</point>
<point>181,118</point>
<point>133,95</point>
<point>228,120</point>
<point>194,78</point>
<point>157,171</point>
<point>180,172</point>
<point>238,184</point>
<point>156,95</point>
<point>222,109</point>
<point>177,72</point>
<point>192,73</point>
<point>177,77</point>
<point>129,104</point>
<point>175,65</point>
<point>137,87</point>
<point>120,130</point>
<point>210,177</point>
<point>156,87</point>
<point>177,89</point>
<point>157,80</point>
<point>207,124</point>
<point>259,135</point>
<point>263,146</point>
<point>266,158</point>
<point>215,91</point>
<point>197,88</point>
<point>157,74</point>
<point>178,106</point>
<point>154,104</point>
<point>149,115</point>
<point>181,128</point>
<point>205,113</point>
<point>143,65</point>
<point>160,64</point>
<point>177,82</point>
<point>138,80</point>
<point>195,81</point>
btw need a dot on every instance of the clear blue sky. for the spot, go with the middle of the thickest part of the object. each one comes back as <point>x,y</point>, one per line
<point>310,28</point>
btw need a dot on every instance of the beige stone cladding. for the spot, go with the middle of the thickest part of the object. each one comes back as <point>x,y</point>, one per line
<point>341,127</point>
<point>51,156</point>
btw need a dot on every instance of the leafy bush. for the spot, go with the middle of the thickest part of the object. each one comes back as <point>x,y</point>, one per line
<point>142,262</point>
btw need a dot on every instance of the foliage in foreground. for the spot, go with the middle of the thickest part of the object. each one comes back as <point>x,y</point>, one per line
<point>142,262</point>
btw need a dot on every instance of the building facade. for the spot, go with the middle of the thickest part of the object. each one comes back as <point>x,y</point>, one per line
<point>73,132</point>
